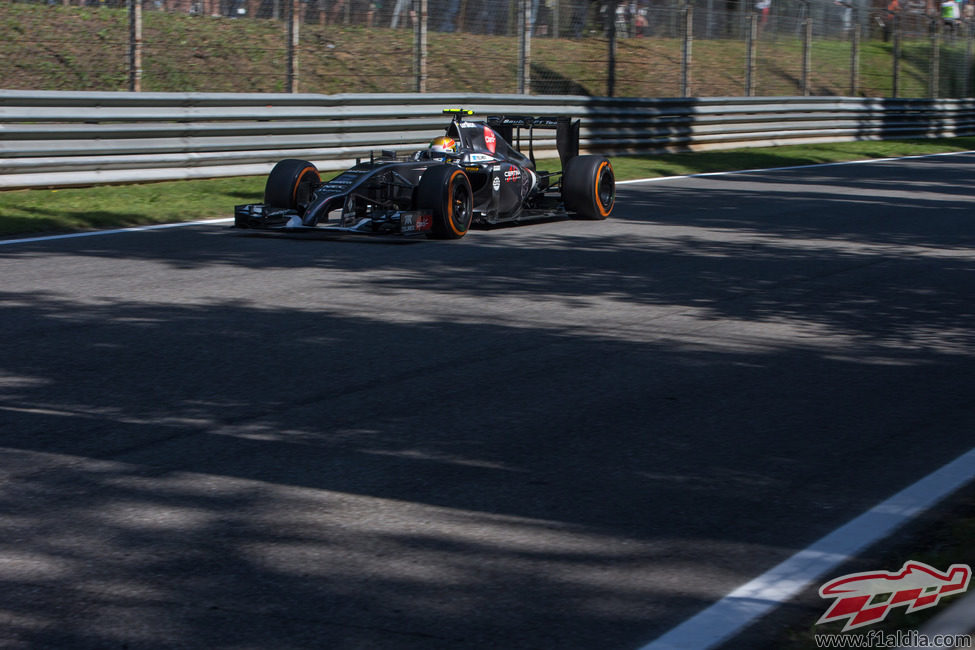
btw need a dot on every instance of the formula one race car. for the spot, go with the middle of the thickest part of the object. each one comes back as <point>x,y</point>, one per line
<point>471,175</point>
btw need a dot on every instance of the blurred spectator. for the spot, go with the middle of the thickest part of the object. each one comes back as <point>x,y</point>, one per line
<point>846,13</point>
<point>604,21</point>
<point>337,14</point>
<point>951,15</point>
<point>763,8</point>
<point>449,12</point>
<point>622,19</point>
<point>371,9</point>
<point>486,21</point>
<point>542,17</point>
<point>893,10</point>
<point>401,5</point>
<point>580,14</point>
<point>641,20</point>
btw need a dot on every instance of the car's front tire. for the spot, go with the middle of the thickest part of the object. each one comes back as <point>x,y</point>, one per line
<point>290,185</point>
<point>589,187</point>
<point>446,191</point>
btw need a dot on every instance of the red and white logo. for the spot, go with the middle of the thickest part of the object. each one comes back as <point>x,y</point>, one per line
<point>867,598</point>
<point>490,139</point>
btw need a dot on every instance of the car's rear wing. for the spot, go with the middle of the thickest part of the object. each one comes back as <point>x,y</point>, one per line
<point>566,132</point>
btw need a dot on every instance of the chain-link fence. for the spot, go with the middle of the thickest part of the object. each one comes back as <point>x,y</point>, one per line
<point>644,48</point>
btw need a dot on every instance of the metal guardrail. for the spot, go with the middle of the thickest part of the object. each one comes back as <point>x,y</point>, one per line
<point>54,139</point>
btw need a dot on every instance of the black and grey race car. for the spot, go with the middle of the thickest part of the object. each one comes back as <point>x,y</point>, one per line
<point>473,174</point>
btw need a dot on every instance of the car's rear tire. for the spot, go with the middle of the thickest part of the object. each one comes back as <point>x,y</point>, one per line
<point>446,191</point>
<point>589,187</point>
<point>290,185</point>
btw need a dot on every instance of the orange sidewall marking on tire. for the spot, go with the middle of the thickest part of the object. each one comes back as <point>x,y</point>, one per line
<point>294,191</point>
<point>450,204</point>
<point>599,176</point>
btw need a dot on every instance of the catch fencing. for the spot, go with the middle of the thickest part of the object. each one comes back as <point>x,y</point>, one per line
<point>61,139</point>
<point>639,48</point>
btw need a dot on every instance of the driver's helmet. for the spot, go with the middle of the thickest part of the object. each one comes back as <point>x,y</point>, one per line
<point>442,147</point>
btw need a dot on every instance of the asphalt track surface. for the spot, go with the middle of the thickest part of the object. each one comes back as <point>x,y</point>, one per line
<point>562,435</point>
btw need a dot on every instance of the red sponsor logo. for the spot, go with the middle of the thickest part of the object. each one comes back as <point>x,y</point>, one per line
<point>490,139</point>
<point>916,586</point>
<point>512,175</point>
<point>424,221</point>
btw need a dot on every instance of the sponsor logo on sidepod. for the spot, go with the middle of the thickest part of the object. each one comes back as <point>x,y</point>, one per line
<point>490,139</point>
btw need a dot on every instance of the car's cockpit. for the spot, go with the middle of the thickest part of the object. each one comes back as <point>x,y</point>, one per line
<point>481,140</point>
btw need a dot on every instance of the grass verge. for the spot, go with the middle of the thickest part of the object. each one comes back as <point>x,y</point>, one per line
<point>113,206</point>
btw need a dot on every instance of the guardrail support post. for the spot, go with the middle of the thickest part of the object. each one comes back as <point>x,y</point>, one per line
<point>855,55</point>
<point>807,34</point>
<point>897,55</point>
<point>611,33</point>
<point>294,13</point>
<point>420,46</point>
<point>970,35</point>
<point>685,54</point>
<point>524,48</point>
<point>135,45</point>
<point>750,49</point>
<point>934,80</point>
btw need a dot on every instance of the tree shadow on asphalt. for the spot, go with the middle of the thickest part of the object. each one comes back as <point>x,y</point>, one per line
<point>533,436</point>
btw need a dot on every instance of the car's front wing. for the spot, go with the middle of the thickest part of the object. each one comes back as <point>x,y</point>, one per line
<point>400,222</point>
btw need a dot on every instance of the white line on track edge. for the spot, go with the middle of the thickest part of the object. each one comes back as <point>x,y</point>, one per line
<point>867,161</point>
<point>747,603</point>
<point>95,233</point>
